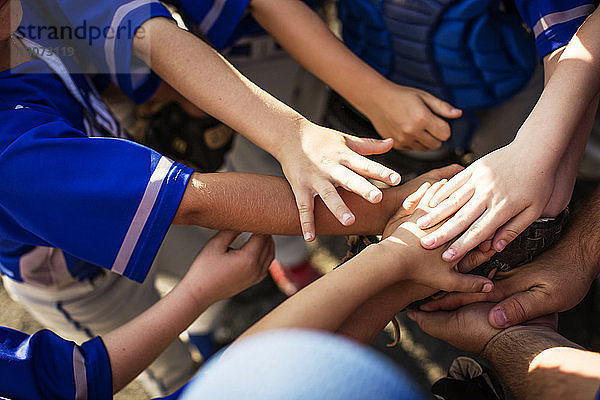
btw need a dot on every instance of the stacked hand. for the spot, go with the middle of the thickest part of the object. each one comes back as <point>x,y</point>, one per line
<point>401,243</point>
<point>318,160</point>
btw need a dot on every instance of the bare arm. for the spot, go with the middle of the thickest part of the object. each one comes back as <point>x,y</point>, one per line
<point>538,363</point>
<point>410,116</point>
<point>265,204</point>
<point>217,273</point>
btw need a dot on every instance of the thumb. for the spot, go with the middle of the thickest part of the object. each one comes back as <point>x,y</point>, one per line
<point>368,146</point>
<point>223,239</point>
<point>466,283</point>
<point>519,308</point>
<point>440,107</point>
<point>432,323</point>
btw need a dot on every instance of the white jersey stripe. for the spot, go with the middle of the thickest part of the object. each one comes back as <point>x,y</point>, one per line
<point>547,21</point>
<point>141,215</point>
<point>110,42</point>
<point>79,375</point>
<point>211,17</point>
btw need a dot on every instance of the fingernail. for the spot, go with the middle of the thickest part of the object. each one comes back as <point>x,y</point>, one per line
<point>500,245</point>
<point>455,111</point>
<point>428,241</point>
<point>423,222</point>
<point>347,218</point>
<point>410,314</point>
<point>395,178</point>
<point>449,255</point>
<point>433,203</point>
<point>487,288</point>
<point>308,236</point>
<point>500,318</point>
<point>388,140</point>
<point>375,196</point>
<point>426,307</point>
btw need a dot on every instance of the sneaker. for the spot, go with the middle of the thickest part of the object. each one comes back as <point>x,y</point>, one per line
<point>291,280</point>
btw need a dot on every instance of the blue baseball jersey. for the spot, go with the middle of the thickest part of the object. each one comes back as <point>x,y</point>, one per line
<point>45,366</point>
<point>222,22</point>
<point>76,194</point>
<point>96,37</point>
<point>553,22</point>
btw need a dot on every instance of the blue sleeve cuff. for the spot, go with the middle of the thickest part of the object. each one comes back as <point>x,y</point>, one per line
<point>98,370</point>
<point>133,77</point>
<point>158,222</point>
<point>557,37</point>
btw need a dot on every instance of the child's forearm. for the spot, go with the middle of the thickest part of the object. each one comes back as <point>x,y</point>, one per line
<point>207,80</point>
<point>135,345</point>
<point>365,323</point>
<point>570,91</point>
<point>265,204</point>
<point>307,38</point>
<point>329,301</point>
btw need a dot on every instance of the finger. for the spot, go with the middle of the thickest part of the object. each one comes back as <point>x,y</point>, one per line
<point>453,185</point>
<point>429,139</point>
<point>411,202</point>
<point>254,246</point>
<point>521,307</point>
<point>305,203</point>
<point>485,246</point>
<point>368,146</point>
<point>356,183</point>
<point>457,282</point>
<point>438,128</point>
<point>479,230</point>
<point>453,301</point>
<point>447,172</point>
<point>267,256</point>
<point>435,324</point>
<point>335,204</point>
<point>223,239</point>
<point>513,228</point>
<point>370,169</point>
<point>474,258</point>
<point>440,107</point>
<point>454,226</point>
<point>446,208</point>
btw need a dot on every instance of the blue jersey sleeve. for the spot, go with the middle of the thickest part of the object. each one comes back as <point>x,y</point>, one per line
<point>45,366</point>
<point>217,20</point>
<point>554,22</point>
<point>97,37</point>
<point>107,201</point>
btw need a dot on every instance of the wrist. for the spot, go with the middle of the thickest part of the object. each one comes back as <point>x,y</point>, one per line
<point>288,136</point>
<point>370,97</point>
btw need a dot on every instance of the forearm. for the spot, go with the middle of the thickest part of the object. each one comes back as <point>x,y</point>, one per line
<point>328,302</point>
<point>135,345</point>
<point>265,204</point>
<point>312,44</point>
<point>207,80</point>
<point>568,95</point>
<point>365,323</point>
<point>537,363</point>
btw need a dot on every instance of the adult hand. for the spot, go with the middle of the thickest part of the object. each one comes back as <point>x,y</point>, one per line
<point>318,159</point>
<point>412,117</point>
<point>219,272</point>
<point>467,327</point>
<point>494,197</point>
<point>554,282</point>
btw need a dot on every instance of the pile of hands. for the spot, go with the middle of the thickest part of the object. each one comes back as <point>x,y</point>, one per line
<point>473,311</point>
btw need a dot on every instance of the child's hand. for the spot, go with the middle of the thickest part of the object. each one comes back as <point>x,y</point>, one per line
<point>318,159</point>
<point>401,246</point>
<point>412,117</point>
<point>497,197</point>
<point>219,272</point>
